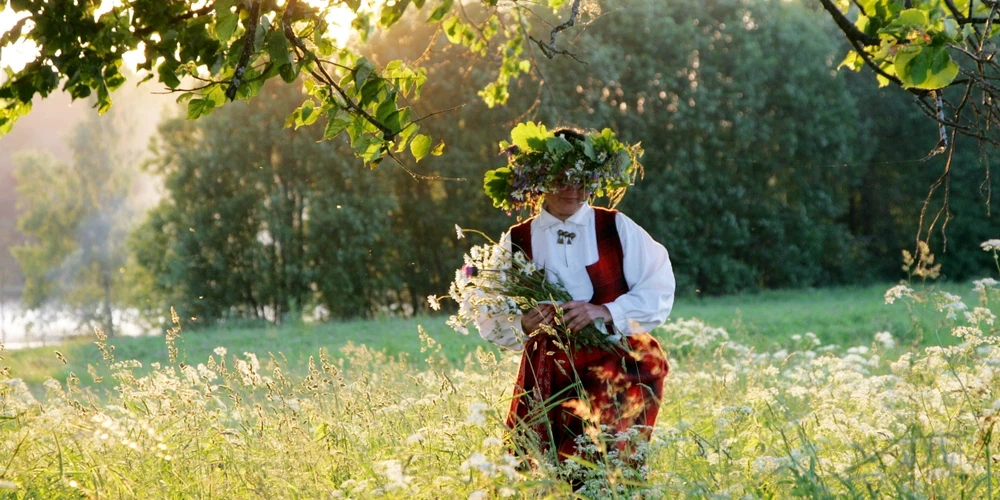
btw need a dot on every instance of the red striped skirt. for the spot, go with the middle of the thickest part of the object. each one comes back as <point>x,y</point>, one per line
<point>562,391</point>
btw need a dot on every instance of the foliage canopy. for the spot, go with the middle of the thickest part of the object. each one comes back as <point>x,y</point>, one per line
<point>232,47</point>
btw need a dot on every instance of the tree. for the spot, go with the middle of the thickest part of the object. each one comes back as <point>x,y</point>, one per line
<point>76,217</point>
<point>747,136</point>
<point>928,47</point>
<point>233,46</point>
<point>943,53</point>
<point>290,224</point>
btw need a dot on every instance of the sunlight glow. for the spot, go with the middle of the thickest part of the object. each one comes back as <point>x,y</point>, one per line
<point>339,17</point>
<point>16,55</point>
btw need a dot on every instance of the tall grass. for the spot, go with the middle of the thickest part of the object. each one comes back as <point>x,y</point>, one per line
<point>868,417</point>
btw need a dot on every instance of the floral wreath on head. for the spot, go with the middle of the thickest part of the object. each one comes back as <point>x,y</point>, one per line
<point>539,161</point>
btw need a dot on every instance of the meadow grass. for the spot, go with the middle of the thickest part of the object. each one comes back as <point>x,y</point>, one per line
<point>771,409</point>
<point>764,320</point>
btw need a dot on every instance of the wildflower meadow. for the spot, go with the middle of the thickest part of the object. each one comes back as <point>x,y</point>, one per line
<point>878,418</point>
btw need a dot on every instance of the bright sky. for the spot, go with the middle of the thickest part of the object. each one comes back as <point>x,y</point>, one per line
<point>16,55</point>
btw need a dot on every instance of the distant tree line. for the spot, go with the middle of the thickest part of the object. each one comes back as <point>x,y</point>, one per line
<point>765,168</point>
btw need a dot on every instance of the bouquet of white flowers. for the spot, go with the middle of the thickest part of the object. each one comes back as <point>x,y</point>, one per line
<point>496,282</point>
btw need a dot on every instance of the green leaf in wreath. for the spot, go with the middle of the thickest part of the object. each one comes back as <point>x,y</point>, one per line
<point>496,183</point>
<point>529,136</point>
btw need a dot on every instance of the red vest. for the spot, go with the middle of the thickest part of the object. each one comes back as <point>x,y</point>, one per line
<point>608,273</point>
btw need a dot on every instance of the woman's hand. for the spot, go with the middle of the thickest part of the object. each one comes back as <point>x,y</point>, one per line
<point>577,314</point>
<point>542,314</point>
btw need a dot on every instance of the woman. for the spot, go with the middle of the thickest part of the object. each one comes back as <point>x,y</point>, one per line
<point>620,279</point>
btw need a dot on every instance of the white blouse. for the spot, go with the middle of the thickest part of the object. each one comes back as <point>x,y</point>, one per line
<point>647,268</point>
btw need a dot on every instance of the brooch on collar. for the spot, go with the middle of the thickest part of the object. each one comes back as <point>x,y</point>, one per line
<point>565,237</point>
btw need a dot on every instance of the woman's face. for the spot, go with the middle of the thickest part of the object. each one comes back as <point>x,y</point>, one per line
<point>566,201</point>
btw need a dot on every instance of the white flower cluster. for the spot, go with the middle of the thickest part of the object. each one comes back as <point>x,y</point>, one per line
<point>478,284</point>
<point>991,245</point>
<point>688,334</point>
<point>896,292</point>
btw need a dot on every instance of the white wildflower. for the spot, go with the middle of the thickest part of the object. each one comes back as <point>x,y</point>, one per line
<point>457,325</point>
<point>392,470</point>
<point>896,292</point>
<point>434,302</point>
<point>981,285</point>
<point>491,441</point>
<point>415,438</point>
<point>458,232</point>
<point>950,303</point>
<point>980,315</point>
<point>885,338</point>
<point>220,351</point>
<point>479,462</point>
<point>766,464</point>
<point>477,414</point>
<point>991,245</point>
<point>478,495</point>
<point>972,335</point>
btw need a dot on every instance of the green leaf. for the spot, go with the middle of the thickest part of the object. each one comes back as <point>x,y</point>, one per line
<point>393,13</point>
<point>496,183</point>
<point>289,72</point>
<point>167,75</point>
<point>926,68</point>
<point>406,129</point>
<point>217,94</point>
<point>362,24</point>
<point>852,60</point>
<point>370,91</point>
<point>941,70</point>
<point>225,20</point>
<point>557,145</point>
<point>439,149</point>
<point>392,122</point>
<point>901,63</point>
<point>386,108</point>
<point>529,136</point>
<point>910,18</point>
<point>362,71</point>
<point>453,29</point>
<point>306,114</point>
<point>439,13</point>
<point>198,108</point>
<point>588,149</point>
<point>277,48</point>
<point>420,146</point>
<point>337,122</point>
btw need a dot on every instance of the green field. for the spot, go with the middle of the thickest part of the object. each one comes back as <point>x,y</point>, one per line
<point>795,396</point>
<point>765,320</point>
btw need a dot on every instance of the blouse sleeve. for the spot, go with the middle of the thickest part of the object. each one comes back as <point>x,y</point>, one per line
<point>504,331</point>
<point>650,278</point>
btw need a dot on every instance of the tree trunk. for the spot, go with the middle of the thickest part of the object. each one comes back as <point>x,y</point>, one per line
<point>109,325</point>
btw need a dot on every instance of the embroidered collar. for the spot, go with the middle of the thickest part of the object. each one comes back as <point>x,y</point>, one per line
<point>546,220</point>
